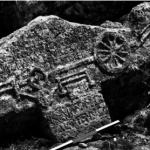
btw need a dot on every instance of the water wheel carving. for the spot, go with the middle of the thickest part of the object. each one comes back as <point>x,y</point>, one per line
<point>112,52</point>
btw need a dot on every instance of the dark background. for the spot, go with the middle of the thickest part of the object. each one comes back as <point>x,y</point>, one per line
<point>15,14</point>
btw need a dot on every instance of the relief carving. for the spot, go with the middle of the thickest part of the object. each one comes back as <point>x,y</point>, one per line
<point>36,78</point>
<point>18,101</point>
<point>62,82</point>
<point>112,52</point>
<point>69,93</point>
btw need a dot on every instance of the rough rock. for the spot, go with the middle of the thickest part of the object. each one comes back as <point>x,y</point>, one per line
<point>68,72</point>
<point>138,18</point>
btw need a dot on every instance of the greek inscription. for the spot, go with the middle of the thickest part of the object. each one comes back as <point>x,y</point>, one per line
<point>82,119</point>
<point>65,112</point>
<point>62,127</point>
<point>82,112</point>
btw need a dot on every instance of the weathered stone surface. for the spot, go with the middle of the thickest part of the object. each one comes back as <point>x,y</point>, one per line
<point>138,17</point>
<point>56,65</point>
<point>67,69</point>
<point>51,64</point>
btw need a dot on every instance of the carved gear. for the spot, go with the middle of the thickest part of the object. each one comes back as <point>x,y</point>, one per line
<point>112,52</point>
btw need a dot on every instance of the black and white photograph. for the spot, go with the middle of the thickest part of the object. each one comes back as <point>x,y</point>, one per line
<point>74,75</point>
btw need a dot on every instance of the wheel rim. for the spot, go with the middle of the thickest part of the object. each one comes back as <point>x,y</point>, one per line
<point>112,52</point>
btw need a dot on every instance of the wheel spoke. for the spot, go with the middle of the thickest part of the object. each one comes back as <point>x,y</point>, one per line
<point>106,52</point>
<point>120,59</point>
<point>103,46</point>
<point>106,41</point>
<point>122,54</point>
<point>109,48</point>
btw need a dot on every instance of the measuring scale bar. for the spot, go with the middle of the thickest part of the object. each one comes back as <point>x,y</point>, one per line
<point>85,136</point>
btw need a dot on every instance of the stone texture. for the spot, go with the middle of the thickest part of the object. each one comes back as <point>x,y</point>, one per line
<point>138,17</point>
<point>67,71</point>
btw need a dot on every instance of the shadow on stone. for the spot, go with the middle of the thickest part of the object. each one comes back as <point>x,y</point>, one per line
<point>125,94</point>
<point>23,125</point>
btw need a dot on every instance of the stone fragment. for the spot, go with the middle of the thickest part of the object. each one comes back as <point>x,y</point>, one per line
<point>56,66</point>
<point>71,73</point>
<point>83,145</point>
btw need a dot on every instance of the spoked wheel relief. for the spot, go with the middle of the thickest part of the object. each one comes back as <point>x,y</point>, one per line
<point>112,52</point>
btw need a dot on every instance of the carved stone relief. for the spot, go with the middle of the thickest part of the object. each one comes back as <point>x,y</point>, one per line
<point>70,94</point>
<point>61,73</point>
<point>112,52</point>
